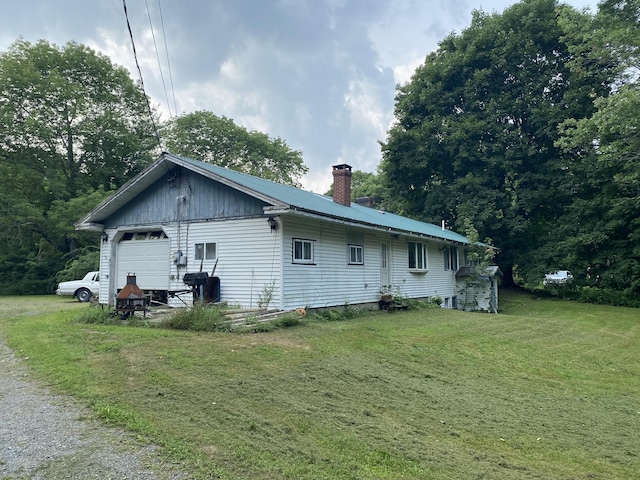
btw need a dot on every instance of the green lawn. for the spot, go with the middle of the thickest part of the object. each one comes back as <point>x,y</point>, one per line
<point>546,389</point>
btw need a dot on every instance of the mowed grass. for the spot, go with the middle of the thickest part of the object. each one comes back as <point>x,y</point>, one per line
<point>546,389</point>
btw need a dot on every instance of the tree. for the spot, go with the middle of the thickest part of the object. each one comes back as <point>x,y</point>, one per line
<point>599,233</point>
<point>219,141</point>
<point>476,126</point>
<point>77,118</point>
<point>72,127</point>
<point>619,27</point>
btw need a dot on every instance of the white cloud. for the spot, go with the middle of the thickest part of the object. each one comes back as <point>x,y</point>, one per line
<point>319,74</point>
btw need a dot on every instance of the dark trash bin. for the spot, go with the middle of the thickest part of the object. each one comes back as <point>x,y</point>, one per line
<point>212,290</point>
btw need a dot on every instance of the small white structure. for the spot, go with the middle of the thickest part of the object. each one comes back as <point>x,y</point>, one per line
<point>478,291</point>
<point>252,241</point>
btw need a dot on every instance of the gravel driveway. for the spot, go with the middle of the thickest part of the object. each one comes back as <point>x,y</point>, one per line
<point>51,437</point>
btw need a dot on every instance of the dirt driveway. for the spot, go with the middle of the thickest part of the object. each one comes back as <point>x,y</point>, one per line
<point>51,437</point>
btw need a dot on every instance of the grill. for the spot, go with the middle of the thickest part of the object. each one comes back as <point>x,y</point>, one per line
<point>197,282</point>
<point>195,279</point>
<point>131,298</point>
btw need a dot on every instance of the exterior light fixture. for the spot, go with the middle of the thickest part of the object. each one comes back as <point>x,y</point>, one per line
<point>272,223</point>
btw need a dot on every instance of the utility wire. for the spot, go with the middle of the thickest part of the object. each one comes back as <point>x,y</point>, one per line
<point>135,56</point>
<point>166,50</point>
<point>155,46</point>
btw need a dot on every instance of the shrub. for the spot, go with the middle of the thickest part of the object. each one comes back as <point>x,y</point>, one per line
<point>288,320</point>
<point>198,318</point>
<point>347,312</point>
<point>432,302</point>
<point>607,296</point>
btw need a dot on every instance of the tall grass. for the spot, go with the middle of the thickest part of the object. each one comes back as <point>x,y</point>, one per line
<point>546,389</point>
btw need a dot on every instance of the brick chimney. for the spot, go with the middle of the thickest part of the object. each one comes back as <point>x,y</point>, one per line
<point>342,184</point>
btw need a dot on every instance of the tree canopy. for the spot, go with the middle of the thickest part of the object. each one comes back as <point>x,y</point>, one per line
<point>477,126</point>
<point>72,127</point>
<point>600,231</point>
<point>73,115</point>
<point>220,141</point>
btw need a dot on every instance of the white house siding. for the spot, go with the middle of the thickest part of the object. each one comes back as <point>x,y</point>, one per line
<point>248,259</point>
<point>435,282</point>
<point>331,281</point>
<point>107,252</point>
<point>251,257</point>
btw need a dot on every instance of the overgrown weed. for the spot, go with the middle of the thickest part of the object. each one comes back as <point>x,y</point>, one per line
<point>198,318</point>
<point>340,314</point>
<point>96,314</point>
<point>288,320</point>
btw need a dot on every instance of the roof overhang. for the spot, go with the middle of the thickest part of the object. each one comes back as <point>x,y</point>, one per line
<point>95,219</point>
<point>370,226</point>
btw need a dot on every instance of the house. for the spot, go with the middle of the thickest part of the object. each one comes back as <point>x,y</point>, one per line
<point>253,242</point>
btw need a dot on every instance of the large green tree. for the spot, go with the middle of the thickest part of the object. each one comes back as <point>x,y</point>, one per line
<point>476,126</point>
<point>600,231</point>
<point>74,115</point>
<point>72,126</point>
<point>599,234</point>
<point>220,141</point>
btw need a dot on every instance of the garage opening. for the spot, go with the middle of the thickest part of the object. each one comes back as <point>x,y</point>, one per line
<point>145,254</point>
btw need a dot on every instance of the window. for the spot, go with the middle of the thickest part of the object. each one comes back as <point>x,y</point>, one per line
<point>450,258</point>
<point>384,260</point>
<point>454,258</point>
<point>302,251</point>
<point>417,254</point>
<point>152,235</point>
<point>356,255</point>
<point>205,251</point>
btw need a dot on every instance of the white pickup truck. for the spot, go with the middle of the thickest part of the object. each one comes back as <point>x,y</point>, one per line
<point>82,289</point>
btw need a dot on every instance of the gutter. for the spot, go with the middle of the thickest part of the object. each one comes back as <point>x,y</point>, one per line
<point>371,226</point>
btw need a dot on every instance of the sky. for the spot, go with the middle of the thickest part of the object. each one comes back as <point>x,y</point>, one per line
<point>320,74</point>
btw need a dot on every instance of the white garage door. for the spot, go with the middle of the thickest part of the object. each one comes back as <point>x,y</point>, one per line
<point>145,254</point>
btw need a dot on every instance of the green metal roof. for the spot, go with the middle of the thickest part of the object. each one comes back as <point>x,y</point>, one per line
<point>283,199</point>
<point>295,200</point>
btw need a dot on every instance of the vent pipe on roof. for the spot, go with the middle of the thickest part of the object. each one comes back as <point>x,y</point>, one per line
<point>342,184</point>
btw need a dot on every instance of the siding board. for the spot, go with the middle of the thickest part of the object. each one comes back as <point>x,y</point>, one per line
<point>193,198</point>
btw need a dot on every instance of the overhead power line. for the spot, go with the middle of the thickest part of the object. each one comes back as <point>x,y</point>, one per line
<point>166,50</point>
<point>155,46</point>
<point>135,56</point>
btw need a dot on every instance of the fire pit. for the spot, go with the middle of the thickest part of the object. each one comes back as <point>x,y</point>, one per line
<point>131,298</point>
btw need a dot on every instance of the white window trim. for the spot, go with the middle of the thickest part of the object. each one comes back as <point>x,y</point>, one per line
<point>303,241</point>
<point>451,258</point>
<point>454,258</point>
<point>355,248</point>
<point>420,250</point>
<point>204,251</point>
